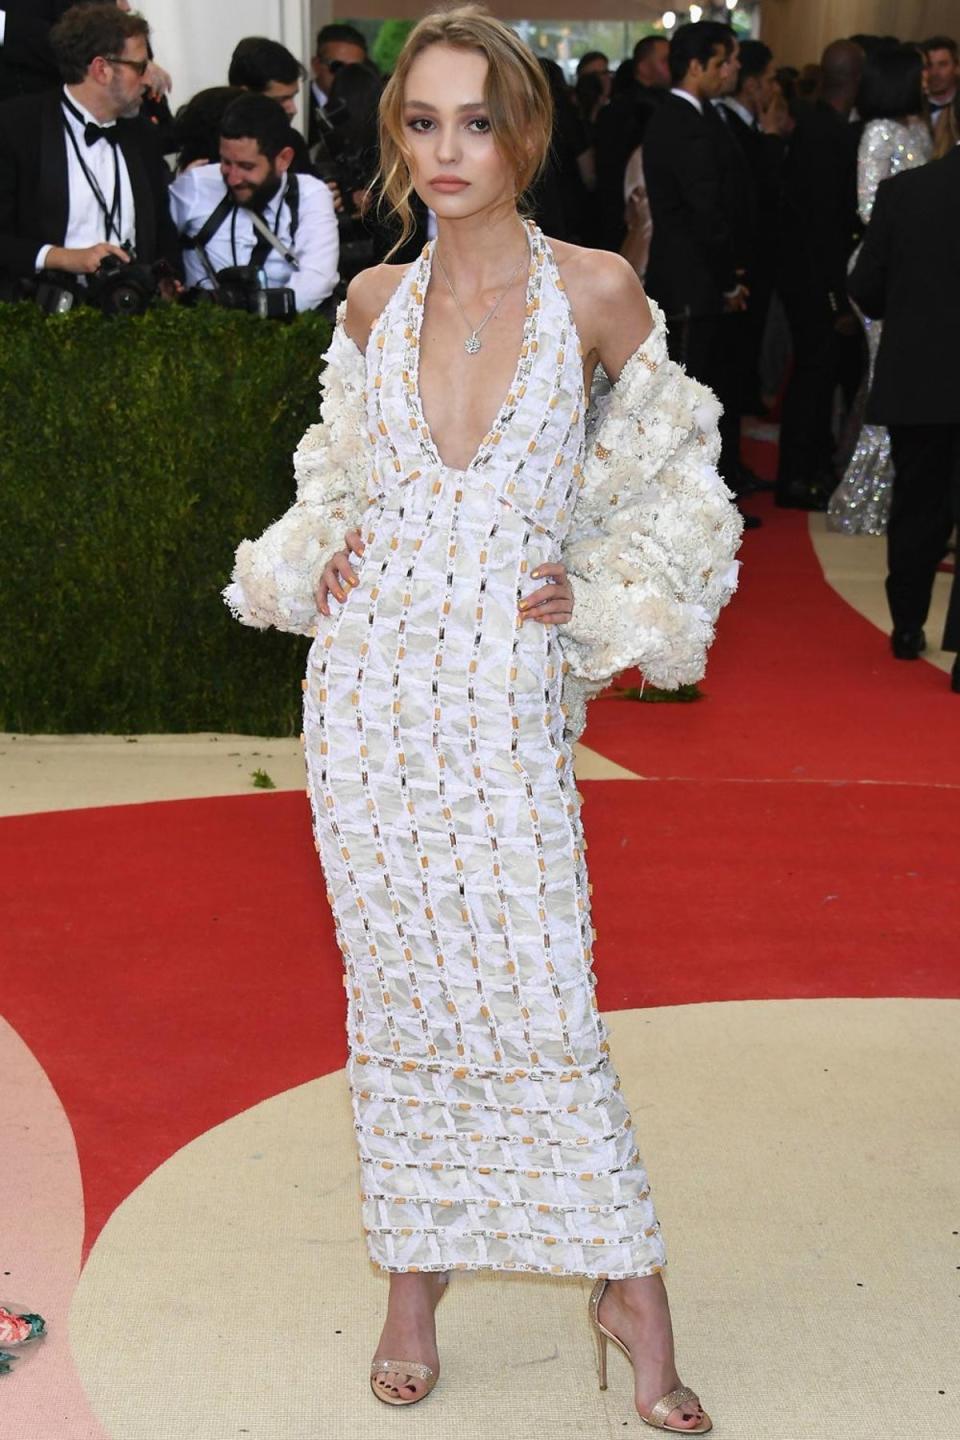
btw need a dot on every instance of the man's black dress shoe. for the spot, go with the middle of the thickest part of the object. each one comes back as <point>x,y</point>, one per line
<point>802,497</point>
<point>955,676</point>
<point>745,482</point>
<point>908,644</point>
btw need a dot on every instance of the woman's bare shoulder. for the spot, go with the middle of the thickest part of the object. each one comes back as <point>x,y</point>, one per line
<point>368,295</point>
<point>606,298</point>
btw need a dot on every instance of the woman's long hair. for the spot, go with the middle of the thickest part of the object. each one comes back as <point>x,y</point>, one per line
<point>892,84</point>
<point>516,95</point>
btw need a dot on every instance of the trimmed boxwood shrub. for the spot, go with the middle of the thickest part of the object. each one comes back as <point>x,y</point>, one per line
<point>134,455</point>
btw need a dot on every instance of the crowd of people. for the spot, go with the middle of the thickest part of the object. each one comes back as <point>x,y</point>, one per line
<point>740,193</point>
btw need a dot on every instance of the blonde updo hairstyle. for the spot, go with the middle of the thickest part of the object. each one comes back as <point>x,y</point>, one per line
<point>516,94</point>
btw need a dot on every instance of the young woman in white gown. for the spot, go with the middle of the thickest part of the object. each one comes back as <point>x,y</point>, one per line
<point>500,565</point>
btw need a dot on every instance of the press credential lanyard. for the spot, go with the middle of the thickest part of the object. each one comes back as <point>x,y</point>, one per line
<point>113,217</point>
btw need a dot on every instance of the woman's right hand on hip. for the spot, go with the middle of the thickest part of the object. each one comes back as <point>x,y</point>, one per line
<point>338,578</point>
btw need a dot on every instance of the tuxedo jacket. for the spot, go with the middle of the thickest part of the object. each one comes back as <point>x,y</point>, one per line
<point>34,189</point>
<point>908,275</point>
<point>692,262</point>
<point>738,191</point>
<point>26,59</point>
<point>764,156</point>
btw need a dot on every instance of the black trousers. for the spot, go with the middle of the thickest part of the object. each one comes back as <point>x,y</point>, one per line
<point>924,508</point>
<point>822,359</point>
<point>698,343</point>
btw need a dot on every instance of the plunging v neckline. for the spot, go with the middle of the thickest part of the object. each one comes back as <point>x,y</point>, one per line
<point>419,282</point>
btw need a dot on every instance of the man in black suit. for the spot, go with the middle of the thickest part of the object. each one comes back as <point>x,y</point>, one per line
<point>80,177</point>
<point>693,265</point>
<point>819,227</point>
<point>906,274</point>
<point>758,120</point>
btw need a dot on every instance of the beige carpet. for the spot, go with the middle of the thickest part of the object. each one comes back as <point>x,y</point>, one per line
<point>855,566</point>
<point>806,1164</point>
<point>70,772</point>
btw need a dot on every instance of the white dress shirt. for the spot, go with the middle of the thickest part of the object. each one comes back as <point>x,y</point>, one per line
<point>685,95</point>
<point>86,222</point>
<point>747,116</point>
<point>196,194</point>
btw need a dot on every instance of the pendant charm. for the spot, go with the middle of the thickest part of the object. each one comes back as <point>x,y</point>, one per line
<point>472,343</point>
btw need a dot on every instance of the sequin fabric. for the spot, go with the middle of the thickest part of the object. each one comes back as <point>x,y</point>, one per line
<point>489,1118</point>
<point>860,505</point>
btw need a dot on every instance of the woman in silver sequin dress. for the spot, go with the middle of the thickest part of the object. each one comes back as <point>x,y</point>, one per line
<point>896,137</point>
<point>445,688</point>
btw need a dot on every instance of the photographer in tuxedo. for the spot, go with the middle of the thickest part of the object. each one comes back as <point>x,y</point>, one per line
<point>216,209</point>
<point>906,273</point>
<point>80,178</point>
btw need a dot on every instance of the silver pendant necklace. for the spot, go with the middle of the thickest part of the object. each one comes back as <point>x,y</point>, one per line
<point>472,343</point>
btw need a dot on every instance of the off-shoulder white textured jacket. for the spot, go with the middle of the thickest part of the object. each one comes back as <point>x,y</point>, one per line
<point>651,547</point>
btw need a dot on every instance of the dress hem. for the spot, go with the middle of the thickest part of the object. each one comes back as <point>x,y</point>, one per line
<point>559,1271</point>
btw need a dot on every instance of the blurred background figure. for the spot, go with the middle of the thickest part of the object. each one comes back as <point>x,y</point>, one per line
<point>265,67</point>
<point>941,75</point>
<point>28,64</point>
<point>196,129</point>
<point>594,62</point>
<point>561,199</point>
<point>622,207</point>
<point>759,121</point>
<point>895,137</point>
<point>337,45</point>
<point>907,272</point>
<point>819,228</point>
<point>346,155</point>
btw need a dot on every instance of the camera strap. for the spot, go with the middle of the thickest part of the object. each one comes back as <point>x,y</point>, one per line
<point>113,215</point>
<point>267,239</point>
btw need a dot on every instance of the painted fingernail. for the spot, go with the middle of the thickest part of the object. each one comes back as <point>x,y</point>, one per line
<point>352,580</point>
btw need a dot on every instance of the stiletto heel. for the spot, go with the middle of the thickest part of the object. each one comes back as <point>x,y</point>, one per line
<point>412,1369</point>
<point>601,1342</point>
<point>683,1395</point>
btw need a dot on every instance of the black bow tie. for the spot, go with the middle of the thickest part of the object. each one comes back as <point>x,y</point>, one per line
<point>92,133</point>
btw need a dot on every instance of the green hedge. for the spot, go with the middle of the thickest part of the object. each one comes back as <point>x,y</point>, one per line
<point>134,455</point>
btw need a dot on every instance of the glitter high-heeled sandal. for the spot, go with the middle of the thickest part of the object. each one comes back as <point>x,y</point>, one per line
<point>683,1395</point>
<point>411,1369</point>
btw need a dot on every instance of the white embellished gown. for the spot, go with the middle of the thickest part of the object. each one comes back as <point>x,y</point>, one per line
<point>490,1122</point>
<point>860,504</point>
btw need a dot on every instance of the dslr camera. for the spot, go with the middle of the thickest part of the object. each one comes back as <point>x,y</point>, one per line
<point>243,287</point>
<point>115,288</point>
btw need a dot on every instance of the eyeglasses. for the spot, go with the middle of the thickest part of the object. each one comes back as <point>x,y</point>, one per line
<point>141,66</point>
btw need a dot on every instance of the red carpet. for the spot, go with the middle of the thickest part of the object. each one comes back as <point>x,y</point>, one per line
<point>170,965</point>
